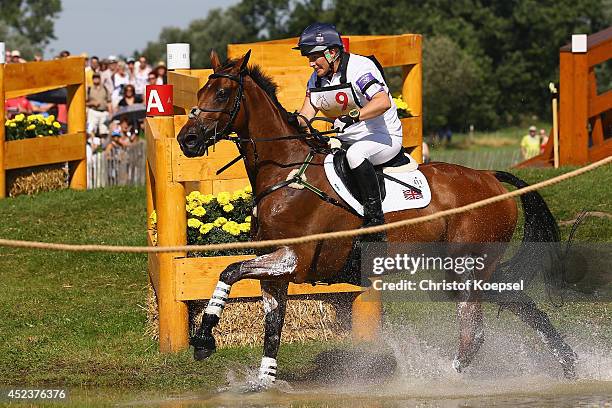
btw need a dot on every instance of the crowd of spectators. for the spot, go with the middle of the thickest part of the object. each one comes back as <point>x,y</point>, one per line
<point>114,98</point>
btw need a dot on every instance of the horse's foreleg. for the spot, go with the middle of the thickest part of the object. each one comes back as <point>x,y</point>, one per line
<point>275,304</point>
<point>278,265</point>
<point>526,309</point>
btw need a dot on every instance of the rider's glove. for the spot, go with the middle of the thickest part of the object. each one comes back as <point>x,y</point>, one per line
<point>345,121</point>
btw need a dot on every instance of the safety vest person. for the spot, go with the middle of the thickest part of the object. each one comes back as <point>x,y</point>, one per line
<point>351,89</point>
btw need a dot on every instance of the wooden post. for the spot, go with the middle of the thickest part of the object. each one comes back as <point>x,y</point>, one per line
<point>150,188</point>
<point>412,93</point>
<point>76,123</point>
<point>367,315</point>
<point>2,134</point>
<point>171,230</point>
<point>573,115</point>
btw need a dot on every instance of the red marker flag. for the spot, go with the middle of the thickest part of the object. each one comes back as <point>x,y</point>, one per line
<point>158,99</point>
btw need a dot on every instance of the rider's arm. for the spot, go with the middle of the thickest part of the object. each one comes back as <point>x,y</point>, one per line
<point>307,110</point>
<point>378,105</point>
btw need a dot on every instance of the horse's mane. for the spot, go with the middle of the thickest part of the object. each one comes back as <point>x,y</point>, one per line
<point>265,82</point>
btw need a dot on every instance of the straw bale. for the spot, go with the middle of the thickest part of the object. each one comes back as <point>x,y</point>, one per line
<point>323,317</point>
<point>33,180</point>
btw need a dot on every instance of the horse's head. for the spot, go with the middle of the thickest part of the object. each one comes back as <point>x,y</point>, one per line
<point>218,111</point>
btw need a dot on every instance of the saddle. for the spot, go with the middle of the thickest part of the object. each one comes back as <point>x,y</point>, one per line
<point>343,170</point>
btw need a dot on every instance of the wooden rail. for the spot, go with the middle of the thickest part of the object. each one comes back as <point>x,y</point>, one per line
<point>24,79</point>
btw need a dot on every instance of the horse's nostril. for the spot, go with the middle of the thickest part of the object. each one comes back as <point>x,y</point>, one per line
<point>191,140</point>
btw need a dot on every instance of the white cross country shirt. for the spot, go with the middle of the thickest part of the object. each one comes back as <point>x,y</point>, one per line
<point>363,81</point>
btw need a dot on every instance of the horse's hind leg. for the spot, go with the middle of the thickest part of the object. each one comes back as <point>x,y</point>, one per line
<point>526,309</point>
<point>275,304</point>
<point>278,265</point>
<point>469,319</point>
<point>471,333</point>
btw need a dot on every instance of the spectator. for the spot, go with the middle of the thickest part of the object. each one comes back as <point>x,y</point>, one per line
<point>543,140</point>
<point>152,78</point>
<point>425,151</point>
<point>161,71</point>
<point>122,136</point>
<point>120,79</point>
<point>98,107</point>
<point>107,75</point>
<point>64,54</point>
<point>530,144</point>
<point>131,72</point>
<point>7,56</point>
<point>129,96</point>
<point>18,105</point>
<point>94,64</point>
<point>141,76</point>
<point>38,58</point>
<point>16,57</point>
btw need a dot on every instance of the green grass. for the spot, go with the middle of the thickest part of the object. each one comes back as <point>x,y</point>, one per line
<point>77,319</point>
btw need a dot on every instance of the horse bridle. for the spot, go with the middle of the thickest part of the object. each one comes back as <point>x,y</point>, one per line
<point>195,112</point>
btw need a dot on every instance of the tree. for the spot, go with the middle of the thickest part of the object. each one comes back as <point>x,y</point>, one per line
<point>28,24</point>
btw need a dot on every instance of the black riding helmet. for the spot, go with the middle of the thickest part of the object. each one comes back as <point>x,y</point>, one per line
<point>318,37</point>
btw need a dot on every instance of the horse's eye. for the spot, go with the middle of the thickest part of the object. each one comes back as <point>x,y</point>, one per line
<point>221,94</point>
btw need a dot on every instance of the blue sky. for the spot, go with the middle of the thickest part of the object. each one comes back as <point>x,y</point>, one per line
<point>105,27</point>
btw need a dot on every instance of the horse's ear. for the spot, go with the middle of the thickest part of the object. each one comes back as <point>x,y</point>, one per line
<point>214,60</point>
<point>245,60</point>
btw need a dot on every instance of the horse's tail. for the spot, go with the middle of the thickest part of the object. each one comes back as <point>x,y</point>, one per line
<point>540,250</point>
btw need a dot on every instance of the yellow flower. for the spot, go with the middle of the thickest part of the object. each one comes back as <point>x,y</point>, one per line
<point>191,205</point>
<point>231,227</point>
<point>233,134</point>
<point>31,127</point>
<point>220,221</point>
<point>245,226</point>
<point>57,125</point>
<point>193,196</point>
<point>199,211</point>
<point>50,132</point>
<point>19,117</point>
<point>206,199</point>
<point>248,189</point>
<point>51,118</point>
<point>228,207</point>
<point>205,228</point>
<point>247,219</point>
<point>237,194</point>
<point>7,123</point>
<point>194,223</point>
<point>224,198</point>
<point>13,124</point>
<point>153,217</point>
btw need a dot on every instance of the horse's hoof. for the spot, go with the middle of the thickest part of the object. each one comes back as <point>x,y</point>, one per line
<point>200,354</point>
<point>203,346</point>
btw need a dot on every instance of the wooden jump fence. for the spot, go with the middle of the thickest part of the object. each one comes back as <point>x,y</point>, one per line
<point>170,175</point>
<point>585,117</point>
<point>32,77</point>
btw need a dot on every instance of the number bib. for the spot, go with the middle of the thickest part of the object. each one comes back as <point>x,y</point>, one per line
<point>335,100</point>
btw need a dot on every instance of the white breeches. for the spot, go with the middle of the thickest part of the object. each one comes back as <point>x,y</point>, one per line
<point>376,148</point>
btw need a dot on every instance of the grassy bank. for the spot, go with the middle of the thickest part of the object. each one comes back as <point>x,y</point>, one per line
<point>77,319</point>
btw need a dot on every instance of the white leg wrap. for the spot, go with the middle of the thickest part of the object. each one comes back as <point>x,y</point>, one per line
<point>218,299</point>
<point>267,370</point>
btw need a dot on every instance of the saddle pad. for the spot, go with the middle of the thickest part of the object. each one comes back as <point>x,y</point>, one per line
<point>398,197</point>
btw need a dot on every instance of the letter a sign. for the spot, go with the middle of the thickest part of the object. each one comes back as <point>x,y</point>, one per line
<point>159,100</point>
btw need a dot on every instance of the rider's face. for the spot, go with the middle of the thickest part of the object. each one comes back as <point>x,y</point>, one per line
<point>318,62</point>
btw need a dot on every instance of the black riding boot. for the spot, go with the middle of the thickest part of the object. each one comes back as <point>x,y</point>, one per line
<point>367,183</point>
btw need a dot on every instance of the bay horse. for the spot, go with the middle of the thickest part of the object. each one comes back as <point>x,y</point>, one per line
<point>241,98</point>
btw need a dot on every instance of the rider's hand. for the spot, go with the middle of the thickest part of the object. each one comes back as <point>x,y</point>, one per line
<point>343,122</point>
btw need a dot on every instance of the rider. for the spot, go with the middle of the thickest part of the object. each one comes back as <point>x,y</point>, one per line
<point>351,89</point>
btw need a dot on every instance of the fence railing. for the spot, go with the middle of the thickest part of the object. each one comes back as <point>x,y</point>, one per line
<point>119,167</point>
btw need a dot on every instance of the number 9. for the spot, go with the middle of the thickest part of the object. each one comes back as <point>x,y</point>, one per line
<point>342,98</point>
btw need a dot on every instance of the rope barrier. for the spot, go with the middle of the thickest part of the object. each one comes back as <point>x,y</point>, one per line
<point>304,239</point>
